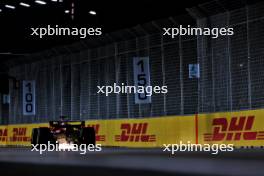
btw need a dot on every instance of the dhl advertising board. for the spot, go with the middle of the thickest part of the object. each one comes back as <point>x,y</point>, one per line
<point>3,135</point>
<point>19,135</point>
<point>243,128</point>
<point>149,132</point>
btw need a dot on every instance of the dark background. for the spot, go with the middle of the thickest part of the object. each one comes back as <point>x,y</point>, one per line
<point>112,15</point>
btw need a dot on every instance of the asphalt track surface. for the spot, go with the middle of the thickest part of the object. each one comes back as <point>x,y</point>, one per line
<point>131,162</point>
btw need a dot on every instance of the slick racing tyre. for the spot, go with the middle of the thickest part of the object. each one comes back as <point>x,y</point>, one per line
<point>41,136</point>
<point>88,135</point>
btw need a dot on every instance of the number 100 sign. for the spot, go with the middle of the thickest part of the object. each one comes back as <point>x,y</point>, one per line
<point>29,97</point>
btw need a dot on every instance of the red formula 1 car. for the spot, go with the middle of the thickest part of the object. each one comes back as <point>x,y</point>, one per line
<point>64,132</point>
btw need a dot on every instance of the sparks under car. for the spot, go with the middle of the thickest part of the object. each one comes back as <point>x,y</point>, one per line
<point>64,132</point>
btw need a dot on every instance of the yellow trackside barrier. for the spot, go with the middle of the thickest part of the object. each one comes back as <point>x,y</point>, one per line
<point>21,134</point>
<point>3,135</point>
<point>148,132</point>
<point>243,128</point>
<point>18,135</point>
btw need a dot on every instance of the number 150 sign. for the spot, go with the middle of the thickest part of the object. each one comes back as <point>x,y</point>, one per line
<point>29,98</point>
<point>141,78</point>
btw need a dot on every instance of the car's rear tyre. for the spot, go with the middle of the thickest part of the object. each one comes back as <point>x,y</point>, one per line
<point>44,135</point>
<point>34,136</point>
<point>88,135</point>
<point>40,136</point>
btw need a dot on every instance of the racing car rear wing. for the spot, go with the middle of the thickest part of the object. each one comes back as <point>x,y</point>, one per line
<point>66,123</point>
